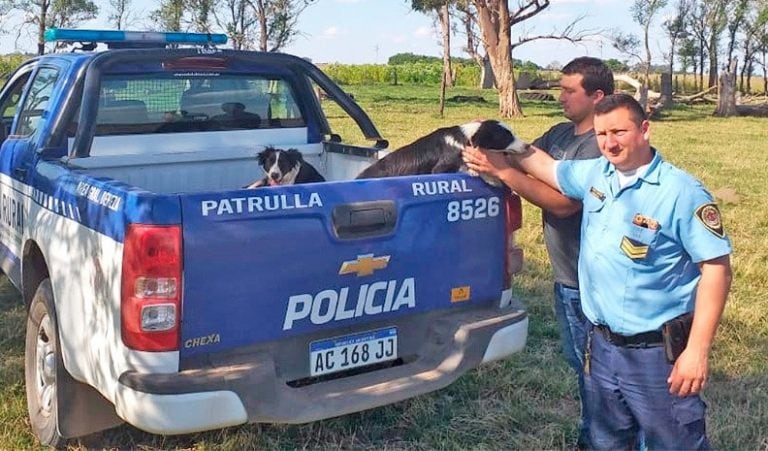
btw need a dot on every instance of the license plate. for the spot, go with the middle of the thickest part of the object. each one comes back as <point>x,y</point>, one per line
<point>352,351</point>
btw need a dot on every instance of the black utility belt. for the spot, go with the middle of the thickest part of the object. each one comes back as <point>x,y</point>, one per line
<point>673,336</point>
<point>642,340</point>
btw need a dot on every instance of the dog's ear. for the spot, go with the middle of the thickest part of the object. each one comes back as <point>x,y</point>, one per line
<point>264,154</point>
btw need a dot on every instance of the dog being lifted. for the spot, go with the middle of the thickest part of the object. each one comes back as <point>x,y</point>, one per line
<point>440,151</point>
<point>284,167</point>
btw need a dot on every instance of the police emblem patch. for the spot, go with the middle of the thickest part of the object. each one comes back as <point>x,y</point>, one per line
<point>709,215</point>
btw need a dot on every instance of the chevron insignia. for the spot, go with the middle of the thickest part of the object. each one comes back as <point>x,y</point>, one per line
<point>634,249</point>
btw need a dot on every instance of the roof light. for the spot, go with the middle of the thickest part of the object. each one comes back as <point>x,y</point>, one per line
<point>169,37</point>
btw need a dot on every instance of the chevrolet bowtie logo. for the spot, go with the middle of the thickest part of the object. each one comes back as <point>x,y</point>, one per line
<point>364,265</point>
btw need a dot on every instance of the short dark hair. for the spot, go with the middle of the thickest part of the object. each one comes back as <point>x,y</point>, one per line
<point>621,100</point>
<point>595,74</point>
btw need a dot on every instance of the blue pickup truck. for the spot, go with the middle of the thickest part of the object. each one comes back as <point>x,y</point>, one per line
<point>163,294</point>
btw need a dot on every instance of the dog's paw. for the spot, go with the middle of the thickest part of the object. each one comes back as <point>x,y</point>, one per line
<point>493,181</point>
<point>256,184</point>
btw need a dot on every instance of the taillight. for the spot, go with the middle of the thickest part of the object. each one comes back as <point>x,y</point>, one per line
<point>514,220</point>
<point>151,287</point>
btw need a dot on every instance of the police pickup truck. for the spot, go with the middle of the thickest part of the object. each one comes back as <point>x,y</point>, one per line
<point>163,294</point>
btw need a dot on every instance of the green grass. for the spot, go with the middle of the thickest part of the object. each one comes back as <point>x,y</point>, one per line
<point>528,401</point>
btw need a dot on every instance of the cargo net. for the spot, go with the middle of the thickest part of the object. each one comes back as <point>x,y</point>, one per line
<point>139,101</point>
<point>172,105</point>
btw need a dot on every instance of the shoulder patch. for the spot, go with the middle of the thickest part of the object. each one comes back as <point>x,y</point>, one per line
<point>709,215</point>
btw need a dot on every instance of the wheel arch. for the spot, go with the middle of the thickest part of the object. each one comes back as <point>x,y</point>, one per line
<point>34,269</point>
<point>83,410</point>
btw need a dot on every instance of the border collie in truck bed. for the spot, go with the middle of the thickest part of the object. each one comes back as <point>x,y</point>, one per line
<point>440,151</point>
<point>284,167</point>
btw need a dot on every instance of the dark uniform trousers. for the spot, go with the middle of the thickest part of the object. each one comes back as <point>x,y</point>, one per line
<point>628,395</point>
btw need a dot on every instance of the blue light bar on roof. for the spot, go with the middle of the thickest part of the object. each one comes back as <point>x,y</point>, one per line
<point>168,37</point>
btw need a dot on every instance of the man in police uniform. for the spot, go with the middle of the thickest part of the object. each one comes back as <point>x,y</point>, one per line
<point>653,248</point>
<point>583,83</point>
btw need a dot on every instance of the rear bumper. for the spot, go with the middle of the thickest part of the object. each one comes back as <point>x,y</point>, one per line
<point>247,388</point>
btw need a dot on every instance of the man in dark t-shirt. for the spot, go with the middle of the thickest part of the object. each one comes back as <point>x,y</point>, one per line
<point>584,82</point>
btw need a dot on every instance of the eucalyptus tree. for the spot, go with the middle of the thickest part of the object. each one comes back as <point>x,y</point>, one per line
<point>496,20</point>
<point>121,14</point>
<point>643,13</point>
<point>675,29</point>
<point>736,15</point>
<point>43,14</point>
<point>266,25</point>
<point>168,17</point>
<point>468,17</point>
<point>441,9</point>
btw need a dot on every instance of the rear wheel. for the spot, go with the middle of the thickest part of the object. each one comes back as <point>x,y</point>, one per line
<point>43,367</point>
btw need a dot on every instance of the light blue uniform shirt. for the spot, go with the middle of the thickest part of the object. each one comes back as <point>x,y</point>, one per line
<point>640,245</point>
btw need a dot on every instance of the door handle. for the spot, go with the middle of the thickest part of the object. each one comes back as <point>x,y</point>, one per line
<point>364,219</point>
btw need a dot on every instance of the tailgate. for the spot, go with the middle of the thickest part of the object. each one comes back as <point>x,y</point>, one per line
<point>265,264</point>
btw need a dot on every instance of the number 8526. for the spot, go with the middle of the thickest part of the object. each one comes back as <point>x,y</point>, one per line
<point>468,209</point>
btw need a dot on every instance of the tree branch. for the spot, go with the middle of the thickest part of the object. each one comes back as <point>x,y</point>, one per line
<point>569,34</point>
<point>527,11</point>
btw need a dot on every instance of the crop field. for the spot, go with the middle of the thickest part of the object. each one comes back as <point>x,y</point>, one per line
<point>528,401</point>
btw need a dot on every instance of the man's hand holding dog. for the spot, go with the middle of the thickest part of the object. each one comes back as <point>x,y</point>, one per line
<point>484,162</point>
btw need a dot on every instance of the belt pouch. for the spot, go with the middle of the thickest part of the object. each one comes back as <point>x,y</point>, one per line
<point>675,335</point>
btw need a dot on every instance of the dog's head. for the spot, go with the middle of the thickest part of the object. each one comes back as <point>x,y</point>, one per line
<point>280,165</point>
<point>494,136</point>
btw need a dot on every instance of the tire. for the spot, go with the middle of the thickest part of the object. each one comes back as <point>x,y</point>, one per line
<point>43,367</point>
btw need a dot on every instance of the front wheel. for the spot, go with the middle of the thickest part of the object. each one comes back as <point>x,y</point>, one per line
<point>42,362</point>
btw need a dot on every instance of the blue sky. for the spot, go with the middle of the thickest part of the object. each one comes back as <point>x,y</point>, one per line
<point>370,31</point>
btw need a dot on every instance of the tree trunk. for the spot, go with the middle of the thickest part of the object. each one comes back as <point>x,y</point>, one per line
<point>487,80</point>
<point>496,29</point>
<point>642,96</point>
<point>43,22</point>
<point>666,90</point>
<point>701,65</point>
<point>726,104</point>
<point>509,102</point>
<point>712,62</point>
<point>765,76</point>
<point>262,18</point>
<point>445,27</point>
<point>443,83</point>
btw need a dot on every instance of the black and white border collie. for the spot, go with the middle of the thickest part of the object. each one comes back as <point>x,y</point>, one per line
<point>440,151</point>
<point>284,167</point>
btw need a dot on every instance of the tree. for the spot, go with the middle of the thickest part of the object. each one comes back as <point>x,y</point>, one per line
<point>468,17</point>
<point>675,27</point>
<point>642,12</point>
<point>168,16</point>
<point>755,20</point>
<point>201,12</point>
<point>43,14</point>
<point>121,16</point>
<point>5,8</point>
<point>761,42</point>
<point>687,58</point>
<point>716,21</point>
<point>267,25</point>
<point>496,21</point>
<point>616,65</point>
<point>441,9</point>
<point>736,15</point>
<point>699,29</point>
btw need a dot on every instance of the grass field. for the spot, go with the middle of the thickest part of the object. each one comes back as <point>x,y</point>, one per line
<point>528,401</point>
